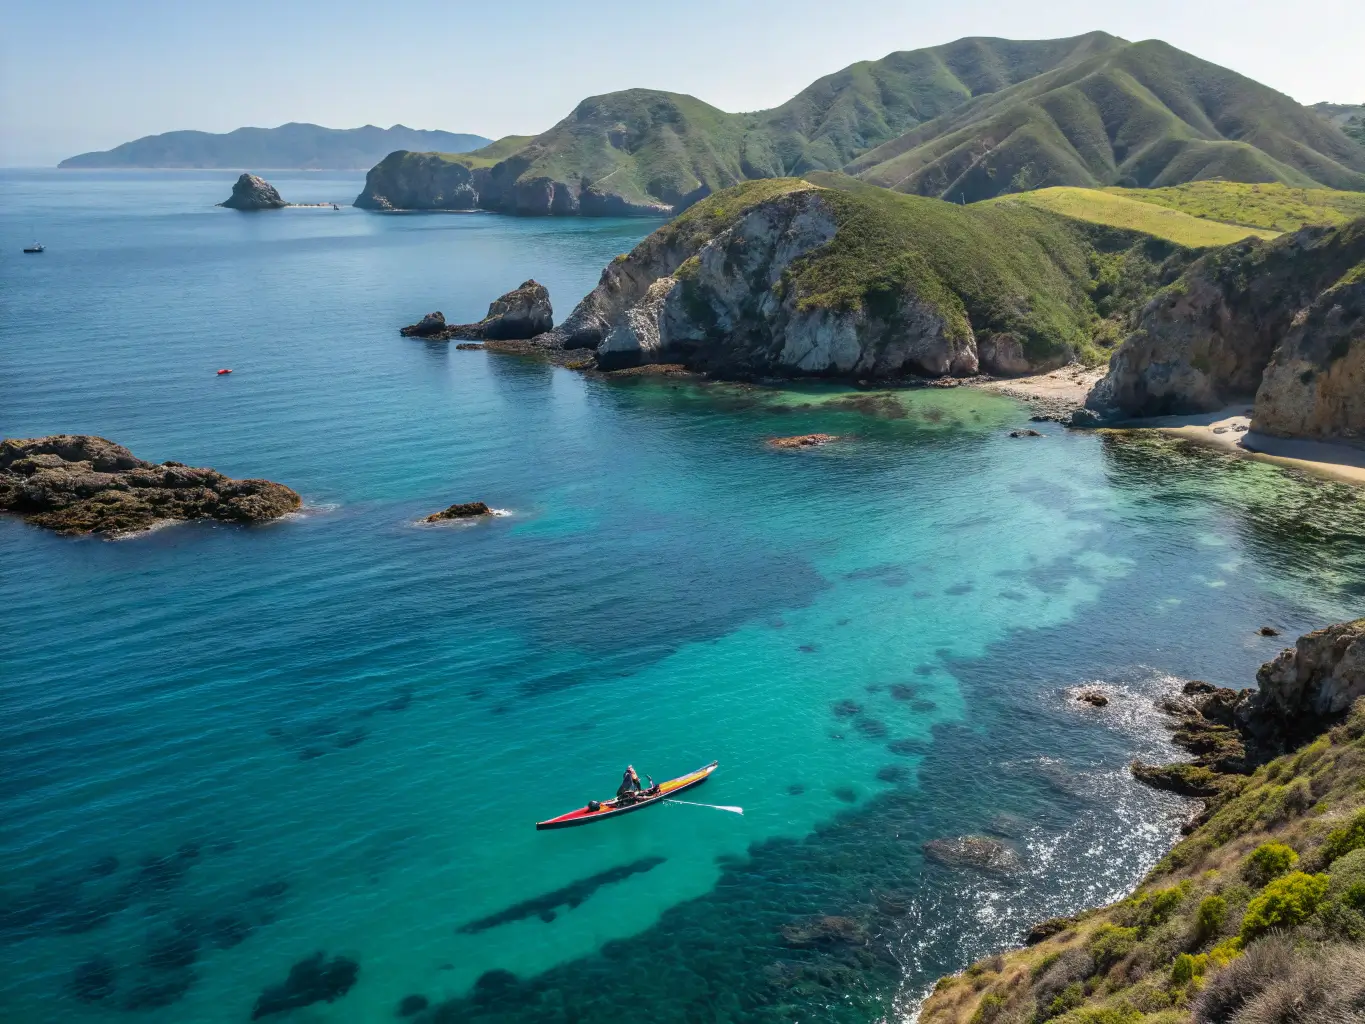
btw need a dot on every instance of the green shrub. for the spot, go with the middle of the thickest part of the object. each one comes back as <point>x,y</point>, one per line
<point>1354,897</point>
<point>1042,965</point>
<point>1121,1014</point>
<point>1209,918</point>
<point>1268,861</point>
<point>1071,997</point>
<point>1111,944</point>
<point>1284,903</point>
<point>988,1009</point>
<point>1341,841</point>
<point>1186,968</point>
<point>1162,904</point>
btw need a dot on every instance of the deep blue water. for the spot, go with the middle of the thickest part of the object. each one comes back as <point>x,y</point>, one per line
<point>335,732</point>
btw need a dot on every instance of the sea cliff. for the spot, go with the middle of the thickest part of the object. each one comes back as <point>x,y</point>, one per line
<point>828,277</point>
<point>1258,915</point>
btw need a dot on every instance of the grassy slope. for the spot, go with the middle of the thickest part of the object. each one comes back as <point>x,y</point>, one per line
<point>1272,206</point>
<point>1146,958</point>
<point>1058,284</point>
<point>841,115</point>
<point>491,154</point>
<point>1349,117</point>
<point>1127,209</point>
<point>1145,115</point>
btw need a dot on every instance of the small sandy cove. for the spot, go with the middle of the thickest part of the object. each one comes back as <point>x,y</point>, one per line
<point>1059,393</point>
<point>1230,428</point>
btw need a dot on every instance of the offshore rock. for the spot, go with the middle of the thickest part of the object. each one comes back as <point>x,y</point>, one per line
<point>418,181</point>
<point>467,510</point>
<point>429,325</point>
<point>802,441</point>
<point>1207,340</point>
<point>518,315</point>
<point>708,293</point>
<point>75,483</point>
<point>253,193</point>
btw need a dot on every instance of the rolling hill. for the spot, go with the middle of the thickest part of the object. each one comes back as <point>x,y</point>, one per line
<point>290,146</point>
<point>968,120</point>
<point>1144,115</point>
<point>650,152</point>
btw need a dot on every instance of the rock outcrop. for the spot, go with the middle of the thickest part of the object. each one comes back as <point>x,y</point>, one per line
<point>418,181</point>
<point>1314,681</point>
<point>252,193</point>
<point>712,296</point>
<point>75,483</point>
<point>1208,339</point>
<point>522,313</point>
<point>1314,386</point>
<point>461,510</point>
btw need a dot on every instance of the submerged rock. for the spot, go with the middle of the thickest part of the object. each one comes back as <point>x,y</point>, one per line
<point>412,1005</point>
<point>316,979</point>
<point>253,193</point>
<point>980,852</point>
<point>520,314</point>
<point>465,510</point>
<point>94,980</point>
<point>801,441</point>
<point>75,483</point>
<point>823,933</point>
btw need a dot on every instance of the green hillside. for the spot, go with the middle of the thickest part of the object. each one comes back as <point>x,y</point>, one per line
<point>1272,206</point>
<point>832,120</point>
<point>1144,115</point>
<point>491,154</point>
<point>1129,212</point>
<point>1349,117</point>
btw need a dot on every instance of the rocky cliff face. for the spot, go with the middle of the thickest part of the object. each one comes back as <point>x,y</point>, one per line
<point>1317,679</point>
<point>418,181</point>
<point>1314,386</point>
<point>718,299</point>
<point>432,181</point>
<point>1208,339</point>
<point>76,483</point>
<point>252,193</point>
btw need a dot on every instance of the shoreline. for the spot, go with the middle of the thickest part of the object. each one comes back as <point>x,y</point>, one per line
<point>1229,429</point>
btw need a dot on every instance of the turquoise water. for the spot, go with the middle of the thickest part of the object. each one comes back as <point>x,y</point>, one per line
<point>335,732</point>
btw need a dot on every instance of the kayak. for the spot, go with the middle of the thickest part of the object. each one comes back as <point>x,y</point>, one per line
<point>610,808</point>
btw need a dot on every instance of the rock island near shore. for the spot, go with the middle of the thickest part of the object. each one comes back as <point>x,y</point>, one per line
<point>78,483</point>
<point>251,193</point>
<point>522,313</point>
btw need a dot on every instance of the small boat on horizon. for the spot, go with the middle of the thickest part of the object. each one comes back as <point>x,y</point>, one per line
<point>35,247</point>
<point>597,810</point>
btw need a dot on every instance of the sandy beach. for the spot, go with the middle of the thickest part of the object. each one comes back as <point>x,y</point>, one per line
<point>1053,396</point>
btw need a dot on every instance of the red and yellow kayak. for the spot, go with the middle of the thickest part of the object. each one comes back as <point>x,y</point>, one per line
<point>610,808</point>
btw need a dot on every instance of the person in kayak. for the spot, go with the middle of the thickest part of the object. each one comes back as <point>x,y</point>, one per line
<point>631,787</point>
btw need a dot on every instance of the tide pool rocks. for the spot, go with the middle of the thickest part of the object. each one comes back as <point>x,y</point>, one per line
<point>79,483</point>
<point>461,510</point>
<point>518,315</point>
<point>251,193</point>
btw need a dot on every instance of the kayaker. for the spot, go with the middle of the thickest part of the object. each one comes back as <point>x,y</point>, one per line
<point>630,785</point>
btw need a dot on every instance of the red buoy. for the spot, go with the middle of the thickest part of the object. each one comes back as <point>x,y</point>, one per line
<point>222,372</point>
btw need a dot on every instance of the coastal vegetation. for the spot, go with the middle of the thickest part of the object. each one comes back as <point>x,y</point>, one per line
<point>966,121</point>
<point>1260,905</point>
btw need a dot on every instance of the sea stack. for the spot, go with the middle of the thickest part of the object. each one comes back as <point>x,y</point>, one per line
<point>253,193</point>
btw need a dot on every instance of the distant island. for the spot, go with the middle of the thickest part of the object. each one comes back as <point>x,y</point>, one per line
<point>966,121</point>
<point>292,146</point>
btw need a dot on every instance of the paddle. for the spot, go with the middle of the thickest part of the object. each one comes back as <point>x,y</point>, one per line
<point>714,807</point>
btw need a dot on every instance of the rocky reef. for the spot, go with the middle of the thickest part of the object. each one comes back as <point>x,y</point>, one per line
<point>1282,322</point>
<point>522,313</point>
<point>1258,915</point>
<point>75,483</point>
<point>252,193</point>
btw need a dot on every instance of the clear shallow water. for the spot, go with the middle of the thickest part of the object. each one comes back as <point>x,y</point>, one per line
<point>334,732</point>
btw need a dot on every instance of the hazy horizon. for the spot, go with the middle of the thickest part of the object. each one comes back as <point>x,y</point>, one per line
<point>79,76</point>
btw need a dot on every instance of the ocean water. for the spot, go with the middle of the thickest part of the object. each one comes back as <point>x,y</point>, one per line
<point>223,750</point>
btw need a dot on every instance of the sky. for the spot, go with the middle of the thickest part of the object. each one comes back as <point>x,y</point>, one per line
<point>79,75</point>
